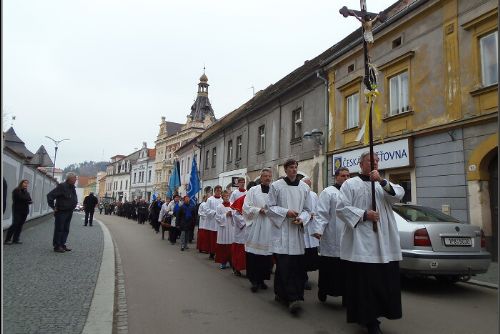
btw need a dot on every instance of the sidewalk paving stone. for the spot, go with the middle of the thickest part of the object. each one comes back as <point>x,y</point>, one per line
<point>48,292</point>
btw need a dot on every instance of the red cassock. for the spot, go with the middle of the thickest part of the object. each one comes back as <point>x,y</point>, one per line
<point>238,256</point>
<point>212,241</point>
<point>223,253</point>
<point>203,241</point>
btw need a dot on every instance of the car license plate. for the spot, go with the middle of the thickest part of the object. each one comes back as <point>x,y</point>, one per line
<point>458,242</point>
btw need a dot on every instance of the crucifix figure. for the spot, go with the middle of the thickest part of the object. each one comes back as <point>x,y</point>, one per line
<point>367,20</point>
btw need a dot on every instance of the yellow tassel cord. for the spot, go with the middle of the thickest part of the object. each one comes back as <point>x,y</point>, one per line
<point>371,96</point>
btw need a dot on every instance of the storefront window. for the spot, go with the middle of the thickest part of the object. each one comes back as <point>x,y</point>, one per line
<point>404,180</point>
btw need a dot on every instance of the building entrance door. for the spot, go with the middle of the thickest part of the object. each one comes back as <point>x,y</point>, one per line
<point>493,185</point>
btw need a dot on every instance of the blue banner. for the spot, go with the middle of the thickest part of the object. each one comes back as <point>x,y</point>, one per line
<point>194,182</point>
<point>174,181</point>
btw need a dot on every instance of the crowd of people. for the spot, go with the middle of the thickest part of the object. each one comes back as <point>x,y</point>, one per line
<point>286,226</point>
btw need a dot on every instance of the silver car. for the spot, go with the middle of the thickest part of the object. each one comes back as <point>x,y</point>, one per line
<point>436,244</point>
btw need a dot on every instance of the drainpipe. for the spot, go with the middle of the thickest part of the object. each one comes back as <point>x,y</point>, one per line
<point>326,127</point>
<point>279,141</point>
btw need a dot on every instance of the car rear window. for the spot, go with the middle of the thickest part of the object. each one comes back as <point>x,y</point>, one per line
<point>422,214</point>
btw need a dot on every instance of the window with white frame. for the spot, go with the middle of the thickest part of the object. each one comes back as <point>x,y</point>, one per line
<point>229,151</point>
<point>262,139</point>
<point>489,58</point>
<point>398,94</point>
<point>239,147</point>
<point>352,105</point>
<point>297,124</point>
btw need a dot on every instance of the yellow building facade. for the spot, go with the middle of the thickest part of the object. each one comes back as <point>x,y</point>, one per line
<point>437,80</point>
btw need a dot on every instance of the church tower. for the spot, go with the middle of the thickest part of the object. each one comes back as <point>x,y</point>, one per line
<point>201,110</point>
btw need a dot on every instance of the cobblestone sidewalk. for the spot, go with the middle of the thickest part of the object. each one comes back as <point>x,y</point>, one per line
<point>47,292</point>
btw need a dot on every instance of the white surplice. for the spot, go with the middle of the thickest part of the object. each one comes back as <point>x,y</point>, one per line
<point>359,242</point>
<point>203,216</point>
<point>163,211</point>
<point>235,195</point>
<point>258,225</point>
<point>287,237</point>
<point>225,226</point>
<point>239,227</point>
<point>327,223</point>
<point>309,240</point>
<point>211,211</point>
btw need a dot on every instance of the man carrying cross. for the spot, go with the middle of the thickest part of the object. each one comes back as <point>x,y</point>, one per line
<point>371,258</point>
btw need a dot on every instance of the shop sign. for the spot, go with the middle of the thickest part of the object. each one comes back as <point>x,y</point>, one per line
<point>391,155</point>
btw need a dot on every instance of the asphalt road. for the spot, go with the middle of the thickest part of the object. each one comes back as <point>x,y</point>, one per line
<point>169,291</point>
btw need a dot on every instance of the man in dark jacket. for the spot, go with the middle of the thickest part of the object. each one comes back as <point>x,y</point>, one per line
<point>185,219</point>
<point>142,212</point>
<point>65,199</point>
<point>21,201</point>
<point>89,204</point>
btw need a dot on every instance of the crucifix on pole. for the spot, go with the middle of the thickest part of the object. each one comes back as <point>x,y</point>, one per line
<point>367,20</point>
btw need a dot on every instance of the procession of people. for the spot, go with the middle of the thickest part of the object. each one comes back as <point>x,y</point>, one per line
<point>286,226</point>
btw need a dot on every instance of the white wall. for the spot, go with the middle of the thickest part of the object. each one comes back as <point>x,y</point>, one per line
<point>40,184</point>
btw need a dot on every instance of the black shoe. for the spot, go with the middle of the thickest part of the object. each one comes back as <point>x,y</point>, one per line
<point>182,249</point>
<point>66,249</point>
<point>237,273</point>
<point>254,288</point>
<point>295,307</point>
<point>321,296</point>
<point>307,286</point>
<point>263,286</point>
<point>17,242</point>
<point>374,328</point>
<point>212,256</point>
<point>59,250</point>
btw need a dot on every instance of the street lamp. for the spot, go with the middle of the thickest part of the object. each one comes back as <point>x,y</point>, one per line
<point>56,143</point>
<point>316,135</point>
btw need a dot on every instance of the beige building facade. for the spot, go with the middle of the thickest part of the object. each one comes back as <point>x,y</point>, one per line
<point>174,135</point>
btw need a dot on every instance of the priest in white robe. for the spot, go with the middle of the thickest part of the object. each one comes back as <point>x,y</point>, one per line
<point>257,246</point>
<point>328,228</point>
<point>288,211</point>
<point>210,211</point>
<point>372,258</point>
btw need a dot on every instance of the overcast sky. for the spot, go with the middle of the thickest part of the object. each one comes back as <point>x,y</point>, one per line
<point>103,72</point>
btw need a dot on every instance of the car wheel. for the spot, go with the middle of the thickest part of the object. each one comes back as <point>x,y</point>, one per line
<point>448,279</point>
